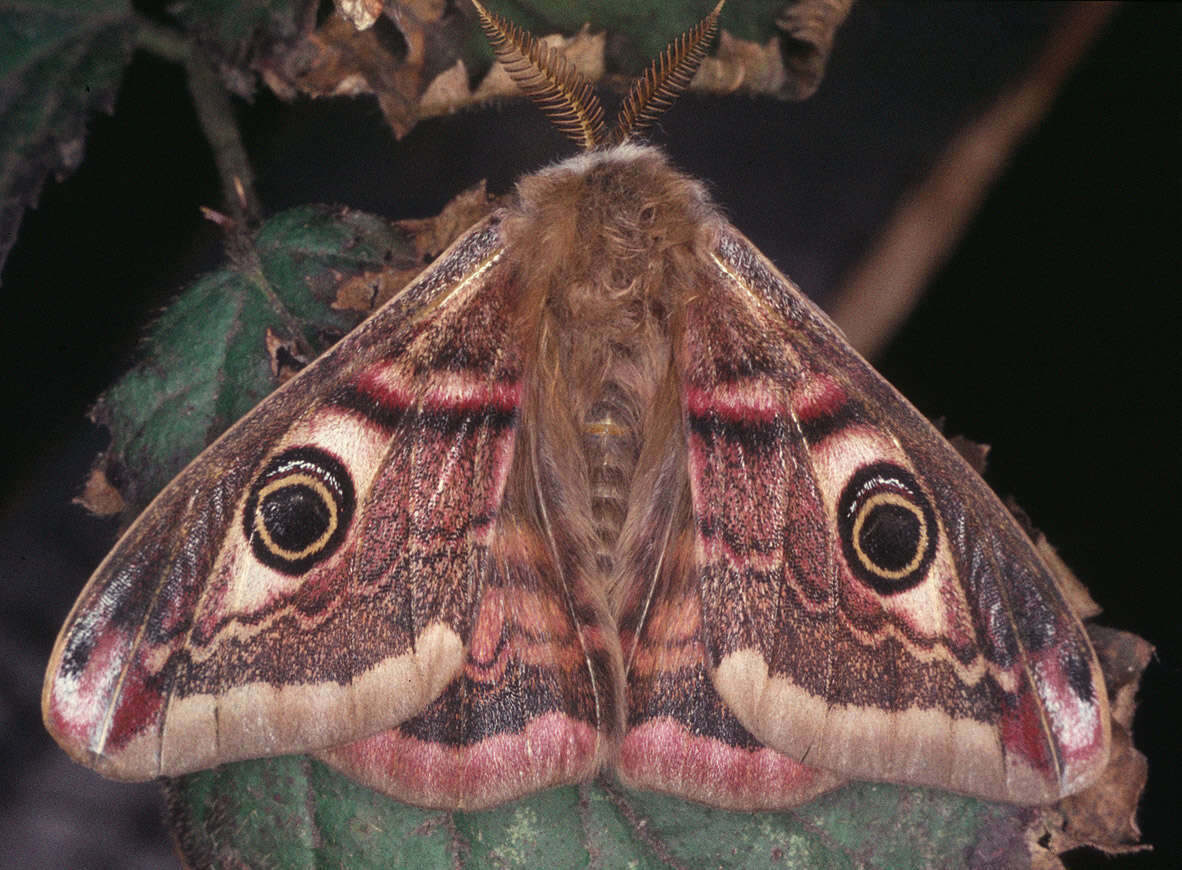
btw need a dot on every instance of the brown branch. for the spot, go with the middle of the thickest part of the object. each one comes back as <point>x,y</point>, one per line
<point>881,291</point>
<point>221,130</point>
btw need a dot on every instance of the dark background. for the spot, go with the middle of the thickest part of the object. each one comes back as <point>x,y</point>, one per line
<point>1051,334</point>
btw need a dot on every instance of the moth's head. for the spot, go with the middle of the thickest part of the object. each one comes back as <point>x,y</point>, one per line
<point>551,81</point>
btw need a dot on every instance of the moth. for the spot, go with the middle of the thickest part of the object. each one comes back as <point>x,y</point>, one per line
<point>600,490</point>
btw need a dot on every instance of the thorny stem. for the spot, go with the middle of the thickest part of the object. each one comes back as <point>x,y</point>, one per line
<point>216,116</point>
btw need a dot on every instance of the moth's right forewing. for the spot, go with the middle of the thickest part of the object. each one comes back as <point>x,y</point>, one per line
<point>868,603</point>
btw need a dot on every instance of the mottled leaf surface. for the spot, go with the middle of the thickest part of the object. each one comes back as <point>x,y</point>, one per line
<point>293,812</point>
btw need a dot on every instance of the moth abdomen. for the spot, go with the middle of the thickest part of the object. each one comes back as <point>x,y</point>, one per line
<point>611,446</point>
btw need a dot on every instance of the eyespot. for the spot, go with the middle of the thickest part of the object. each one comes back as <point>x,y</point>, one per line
<point>888,528</point>
<point>299,509</point>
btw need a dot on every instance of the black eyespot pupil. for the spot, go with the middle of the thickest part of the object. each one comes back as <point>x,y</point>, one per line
<point>295,516</point>
<point>890,536</point>
<point>887,527</point>
<point>299,509</point>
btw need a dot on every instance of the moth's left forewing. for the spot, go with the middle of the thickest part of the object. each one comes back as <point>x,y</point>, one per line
<point>217,630</point>
<point>868,604</point>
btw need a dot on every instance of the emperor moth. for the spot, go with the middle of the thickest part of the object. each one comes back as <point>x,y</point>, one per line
<point>601,489</point>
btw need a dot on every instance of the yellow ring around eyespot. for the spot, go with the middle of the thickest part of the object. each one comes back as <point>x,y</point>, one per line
<point>890,498</point>
<point>326,496</point>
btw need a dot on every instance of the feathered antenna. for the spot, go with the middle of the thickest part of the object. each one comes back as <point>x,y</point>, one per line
<point>666,79</point>
<point>548,78</point>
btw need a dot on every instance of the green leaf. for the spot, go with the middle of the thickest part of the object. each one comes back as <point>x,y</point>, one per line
<point>205,361</point>
<point>59,60</point>
<point>294,812</point>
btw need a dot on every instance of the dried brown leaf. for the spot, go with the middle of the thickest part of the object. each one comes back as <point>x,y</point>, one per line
<point>972,452</point>
<point>366,292</point>
<point>446,93</point>
<point>424,76</point>
<point>789,66</point>
<point>99,496</point>
<point>337,59</point>
<point>333,60</point>
<point>808,29</point>
<point>285,355</point>
<point>432,235</point>
<point>1104,816</point>
<point>1072,587</point>
<point>1123,658</point>
<point>1041,857</point>
<point>349,62</point>
<point>740,65</point>
<point>584,50</point>
<point>422,11</point>
<point>360,13</point>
